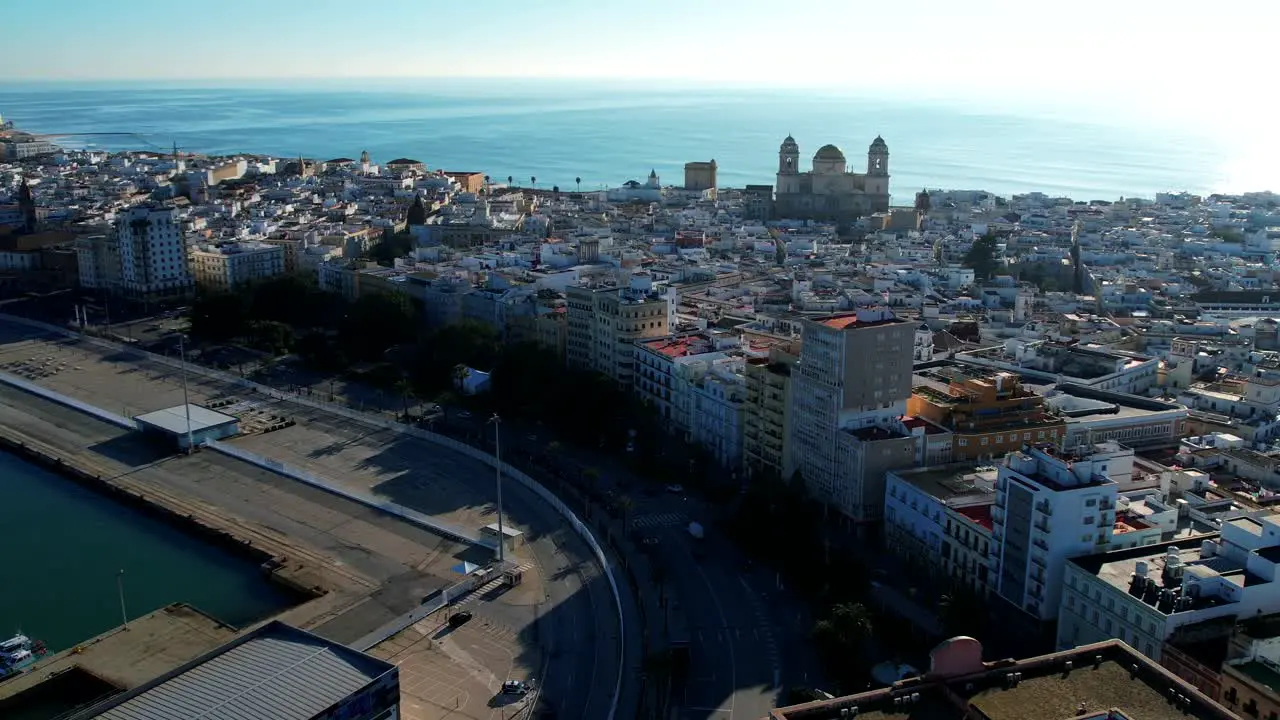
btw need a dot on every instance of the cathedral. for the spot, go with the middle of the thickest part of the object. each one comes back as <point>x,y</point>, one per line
<point>829,191</point>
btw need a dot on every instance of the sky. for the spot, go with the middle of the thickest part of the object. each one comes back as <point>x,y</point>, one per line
<point>1099,47</point>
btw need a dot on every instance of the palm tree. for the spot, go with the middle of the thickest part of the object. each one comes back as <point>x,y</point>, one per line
<point>578,182</point>
<point>533,181</point>
<point>406,391</point>
<point>511,180</point>
<point>845,629</point>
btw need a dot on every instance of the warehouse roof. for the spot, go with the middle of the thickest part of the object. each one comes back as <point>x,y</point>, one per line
<point>174,419</point>
<point>276,672</point>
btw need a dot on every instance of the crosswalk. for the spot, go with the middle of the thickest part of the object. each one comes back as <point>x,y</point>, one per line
<point>668,519</point>
<point>475,595</point>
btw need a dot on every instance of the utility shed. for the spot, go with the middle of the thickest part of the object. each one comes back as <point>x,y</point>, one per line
<point>171,422</point>
<point>276,672</point>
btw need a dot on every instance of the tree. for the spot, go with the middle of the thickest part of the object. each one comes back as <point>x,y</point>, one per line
<point>533,181</point>
<point>271,336</point>
<point>578,181</point>
<point>418,211</point>
<point>374,323</point>
<point>982,257</point>
<point>511,180</point>
<point>392,245</point>
<point>219,317</point>
<point>555,191</point>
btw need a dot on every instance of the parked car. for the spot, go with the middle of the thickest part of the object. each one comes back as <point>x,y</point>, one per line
<point>515,687</point>
<point>460,618</point>
<point>675,488</point>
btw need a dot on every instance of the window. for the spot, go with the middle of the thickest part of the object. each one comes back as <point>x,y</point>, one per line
<point>1090,502</point>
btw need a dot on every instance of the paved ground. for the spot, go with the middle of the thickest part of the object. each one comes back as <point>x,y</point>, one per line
<point>575,622</point>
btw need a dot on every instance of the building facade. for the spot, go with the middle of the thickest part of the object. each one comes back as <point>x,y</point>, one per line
<point>829,191</point>
<point>1052,505</point>
<point>988,414</point>
<point>230,265</point>
<point>765,419</point>
<point>604,321</point>
<point>143,257</point>
<point>849,393</point>
<point>700,175</point>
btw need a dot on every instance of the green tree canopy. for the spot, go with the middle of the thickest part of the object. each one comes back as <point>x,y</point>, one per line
<point>982,257</point>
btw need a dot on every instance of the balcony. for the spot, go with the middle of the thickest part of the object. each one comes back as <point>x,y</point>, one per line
<point>1040,561</point>
<point>1041,525</point>
<point>1040,543</point>
<point>1044,507</point>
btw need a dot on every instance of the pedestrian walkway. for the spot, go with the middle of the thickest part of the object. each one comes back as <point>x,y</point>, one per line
<point>484,591</point>
<point>668,519</point>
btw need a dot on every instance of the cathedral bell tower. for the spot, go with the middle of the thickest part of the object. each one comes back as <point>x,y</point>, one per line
<point>878,158</point>
<point>788,166</point>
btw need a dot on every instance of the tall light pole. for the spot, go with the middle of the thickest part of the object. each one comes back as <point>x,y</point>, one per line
<point>186,403</point>
<point>124,616</point>
<point>497,466</point>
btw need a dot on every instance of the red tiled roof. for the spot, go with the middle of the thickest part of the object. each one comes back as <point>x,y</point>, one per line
<point>980,514</point>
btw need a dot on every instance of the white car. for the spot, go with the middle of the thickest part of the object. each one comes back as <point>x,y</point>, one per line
<point>675,488</point>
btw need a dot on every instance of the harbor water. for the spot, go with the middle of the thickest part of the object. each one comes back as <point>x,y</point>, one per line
<point>68,544</point>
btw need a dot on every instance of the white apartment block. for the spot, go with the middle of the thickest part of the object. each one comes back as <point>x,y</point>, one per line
<point>849,393</point>
<point>143,257</point>
<point>941,517</point>
<point>1143,595</point>
<point>1052,505</point>
<point>229,265</point>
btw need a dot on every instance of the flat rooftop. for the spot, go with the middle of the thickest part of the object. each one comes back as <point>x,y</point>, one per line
<point>957,483</point>
<point>174,419</point>
<point>276,672</point>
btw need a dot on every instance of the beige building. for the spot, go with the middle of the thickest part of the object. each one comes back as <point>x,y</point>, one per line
<point>700,175</point>
<point>765,424</point>
<point>604,320</point>
<point>849,393</point>
<point>230,265</point>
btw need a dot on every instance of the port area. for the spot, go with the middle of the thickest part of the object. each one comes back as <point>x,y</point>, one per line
<point>118,659</point>
<point>361,568</point>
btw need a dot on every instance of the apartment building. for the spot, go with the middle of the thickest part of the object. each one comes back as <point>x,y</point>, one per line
<point>229,265</point>
<point>849,392</point>
<point>765,419</point>
<point>987,413</point>
<point>143,257</point>
<point>605,320</point>
<point>940,517</point>
<point>1051,505</point>
<point>1143,595</point>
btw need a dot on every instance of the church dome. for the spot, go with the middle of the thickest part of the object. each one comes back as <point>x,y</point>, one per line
<point>790,143</point>
<point>879,144</point>
<point>829,152</point>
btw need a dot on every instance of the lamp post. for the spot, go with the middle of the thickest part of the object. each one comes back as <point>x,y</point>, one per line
<point>497,466</point>
<point>186,403</point>
<point>124,616</point>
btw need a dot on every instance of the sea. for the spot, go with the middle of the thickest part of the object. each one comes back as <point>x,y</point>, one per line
<point>593,134</point>
<point>69,544</point>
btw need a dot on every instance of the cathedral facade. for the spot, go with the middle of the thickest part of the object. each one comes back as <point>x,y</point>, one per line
<point>829,191</point>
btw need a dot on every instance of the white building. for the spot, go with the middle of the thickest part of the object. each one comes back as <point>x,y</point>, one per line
<point>717,422</point>
<point>229,265</point>
<point>1052,505</point>
<point>922,348</point>
<point>1142,595</point>
<point>143,257</point>
<point>941,516</point>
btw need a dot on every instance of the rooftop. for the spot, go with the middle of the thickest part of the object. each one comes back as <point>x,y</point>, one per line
<point>1103,680</point>
<point>274,673</point>
<point>174,419</point>
<point>957,483</point>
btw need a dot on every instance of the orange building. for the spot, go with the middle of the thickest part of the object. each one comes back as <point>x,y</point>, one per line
<point>988,414</point>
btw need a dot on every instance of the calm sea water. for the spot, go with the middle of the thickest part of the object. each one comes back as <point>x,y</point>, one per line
<point>67,544</point>
<point>608,134</point>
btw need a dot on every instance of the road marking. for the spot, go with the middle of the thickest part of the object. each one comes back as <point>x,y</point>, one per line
<point>733,661</point>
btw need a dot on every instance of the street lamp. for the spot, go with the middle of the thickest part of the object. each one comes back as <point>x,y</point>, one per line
<point>186,402</point>
<point>497,466</point>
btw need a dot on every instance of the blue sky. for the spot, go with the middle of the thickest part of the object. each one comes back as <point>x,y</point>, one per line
<point>1099,48</point>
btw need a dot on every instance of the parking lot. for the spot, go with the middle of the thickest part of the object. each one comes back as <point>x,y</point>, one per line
<point>457,672</point>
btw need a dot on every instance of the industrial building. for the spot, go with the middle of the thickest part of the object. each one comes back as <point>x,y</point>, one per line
<point>276,672</point>
<point>188,425</point>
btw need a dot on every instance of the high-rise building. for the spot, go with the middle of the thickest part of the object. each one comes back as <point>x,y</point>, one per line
<point>1051,505</point>
<point>849,393</point>
<point>143,257</point>
<point>765,420</point>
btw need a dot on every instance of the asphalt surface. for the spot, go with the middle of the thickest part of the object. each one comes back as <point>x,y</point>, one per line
<point>577,625</point>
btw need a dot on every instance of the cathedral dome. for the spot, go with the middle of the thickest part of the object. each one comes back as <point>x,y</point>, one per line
<point>879,144</point>
<point>790,144</point>
<point>829,152</point>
